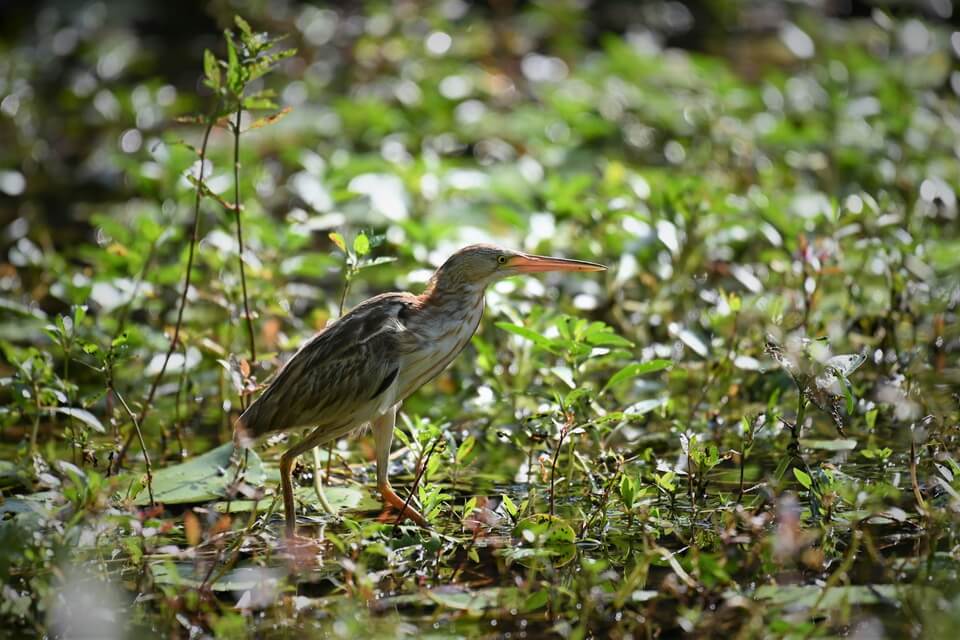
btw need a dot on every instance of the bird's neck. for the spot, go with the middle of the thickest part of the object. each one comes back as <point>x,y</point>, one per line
<point>445,290</point>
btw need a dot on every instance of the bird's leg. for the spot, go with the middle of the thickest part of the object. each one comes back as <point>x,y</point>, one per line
<point>318,483</point>
<point>286,480</point>
<point>383,436</point>
<point>286,484</point>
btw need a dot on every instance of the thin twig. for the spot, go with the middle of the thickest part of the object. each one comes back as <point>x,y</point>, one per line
<point>556,455</point>
<point>211,120</point>
<point>136,429</point>
<point>236,209</point>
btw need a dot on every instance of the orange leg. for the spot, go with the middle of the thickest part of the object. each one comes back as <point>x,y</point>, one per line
<point>390,497</point>
<point>383,436</point>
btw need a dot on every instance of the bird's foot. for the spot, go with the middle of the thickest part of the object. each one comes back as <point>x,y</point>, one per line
<point>391,498</point>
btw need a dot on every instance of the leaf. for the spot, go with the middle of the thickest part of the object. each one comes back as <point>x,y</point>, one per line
<point>361,245</point>
<point>532,336</point>
<point>243,25</point>
<point>799,597</point>
<point>83,416</point>
<point>472,601</point>
<point>465,448</point>
<point>266,120</point>
<point>211,70</point>
<point>802,477</point>
<point>509,506</point>
<point>340,497</point>
<point>203,478</point>
<point>543,529</point>
<point>338,240</point>
<point>376,262</point>
<point>837,444</point>
<point>235,80</point>
<point>846,364</point>
<point>186,574</point>
<point>636,369</point>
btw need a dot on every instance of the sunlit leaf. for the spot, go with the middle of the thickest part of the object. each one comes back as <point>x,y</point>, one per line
<point>635,370</point>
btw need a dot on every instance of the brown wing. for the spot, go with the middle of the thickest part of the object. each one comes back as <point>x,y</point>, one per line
<point>338,374</point>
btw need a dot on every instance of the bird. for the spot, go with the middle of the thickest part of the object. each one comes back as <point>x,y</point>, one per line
<point>360,368</point>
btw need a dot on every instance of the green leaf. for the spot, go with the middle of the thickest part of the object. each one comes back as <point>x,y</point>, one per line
<point>509,506</point>
<point>636,369</point>
<point>532,336</point>
<point>202,478</point>
<point>83,416</point>
<point>361,245</point>
<point>235,80</point>
<point>243,25</point>
<point>211,70</point>
<point>543,529</point>
<point>628,491</point>
<point>802,477</point>
<point>465,448</point>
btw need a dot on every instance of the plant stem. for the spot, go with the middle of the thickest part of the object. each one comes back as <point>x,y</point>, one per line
<point>136,427</point>
<point>236,210</point>
<point>553,465</point>
<point>194,236</point>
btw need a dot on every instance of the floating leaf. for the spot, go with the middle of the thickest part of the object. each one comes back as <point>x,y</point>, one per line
<point>837,444</point>
<point>544,529</point>
<point>183,574</point>
<point>202,478</point>
<point>341,498</point>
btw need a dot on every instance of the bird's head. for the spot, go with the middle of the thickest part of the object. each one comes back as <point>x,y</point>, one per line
<point>480,264</point>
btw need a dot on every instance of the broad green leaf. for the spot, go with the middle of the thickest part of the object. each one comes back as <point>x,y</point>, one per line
<point>185,574</point>
<point>509,506</point>
<point>836,444</point>
<point>83,416</point>
<point>361,245</point>
<point>203,478</point>
<point>532,336</point>
<point>542,529</point>
<point>636,369</point>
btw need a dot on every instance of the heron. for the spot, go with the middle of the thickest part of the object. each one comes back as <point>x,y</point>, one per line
<point>359,369</point>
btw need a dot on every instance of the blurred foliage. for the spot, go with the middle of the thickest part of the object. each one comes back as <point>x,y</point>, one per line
<point>748,425</point>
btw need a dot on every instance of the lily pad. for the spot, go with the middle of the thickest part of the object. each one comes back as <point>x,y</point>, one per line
<point>184,574</point>
<point>805,596</point>
<point>833,444</point>
<point>203,478</point>
<point>471,600</point>
<point>341,498</point>
<point>543,529</point>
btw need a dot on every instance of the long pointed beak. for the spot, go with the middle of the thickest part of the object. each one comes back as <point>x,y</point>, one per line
<point>528,263</point>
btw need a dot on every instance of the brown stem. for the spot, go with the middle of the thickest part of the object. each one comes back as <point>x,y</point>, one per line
<point>211,120</point>
<point>236,209</point>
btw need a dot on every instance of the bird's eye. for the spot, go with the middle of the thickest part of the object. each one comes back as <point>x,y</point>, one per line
<point>502,259</point>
